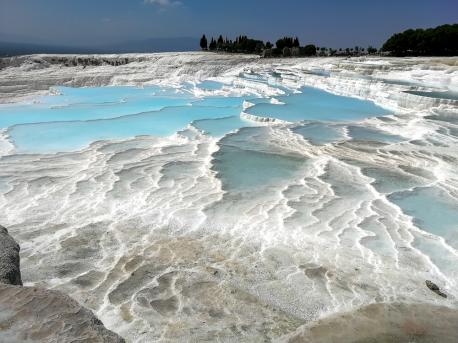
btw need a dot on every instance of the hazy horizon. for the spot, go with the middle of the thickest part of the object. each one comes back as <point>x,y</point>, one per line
<point>326,23</point>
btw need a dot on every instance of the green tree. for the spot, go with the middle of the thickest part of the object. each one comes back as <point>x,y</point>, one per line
<point>220,42</point>
<point>285,42</point>
<point>203,43</point>
<point>309,50</point>
<point>438,41</point>
<point>212,45</point>
<point>371,50</point>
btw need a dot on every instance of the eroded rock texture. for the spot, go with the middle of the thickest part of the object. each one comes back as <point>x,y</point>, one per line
<point>29,314</point>
<point>10,272</point>
<point>384,323</point>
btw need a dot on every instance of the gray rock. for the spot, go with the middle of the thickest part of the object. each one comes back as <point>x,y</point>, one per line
<point>10,272</point>
<point>383,323</point>
<point>435,288</point>
<point>29,314</point>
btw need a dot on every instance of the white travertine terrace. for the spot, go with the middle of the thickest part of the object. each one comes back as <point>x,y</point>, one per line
<point>143,232</point>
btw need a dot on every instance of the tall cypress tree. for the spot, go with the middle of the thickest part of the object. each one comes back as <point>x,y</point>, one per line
<point>203,43</point>
<point>220,42</point>
<point>212,45</point>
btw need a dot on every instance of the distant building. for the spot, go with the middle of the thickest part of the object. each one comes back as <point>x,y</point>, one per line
<point>286,52</point>
<point>266,53</point>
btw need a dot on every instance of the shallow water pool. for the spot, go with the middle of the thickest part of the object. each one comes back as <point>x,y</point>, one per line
<point>76,117</point>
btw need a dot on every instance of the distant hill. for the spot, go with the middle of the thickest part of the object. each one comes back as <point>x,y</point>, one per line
<point>14,49</point>
<point>140,46</point>
<point>154,45</point>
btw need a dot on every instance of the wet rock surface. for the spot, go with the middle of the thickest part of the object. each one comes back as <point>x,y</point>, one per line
<point>30,314</point>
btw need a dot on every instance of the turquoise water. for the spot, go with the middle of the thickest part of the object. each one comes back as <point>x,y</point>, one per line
<point>221,126</point>
<point>91,104</point>
<point>367,134</point>
<point>244,169</point>
<point>79,116</point>
<point>250,159</point>
<point>315,104</point>
<point>221,102</point>
<point>433,210</point>
<point>388,180</point>
<point>73,135</point>
<point>320,133</point>
<point>210,85</point>
<point>245,161</point>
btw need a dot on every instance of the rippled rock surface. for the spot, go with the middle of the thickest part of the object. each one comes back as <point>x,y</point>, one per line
<point>384,323</point>
<point>211,197</point>
<point>30,314</point>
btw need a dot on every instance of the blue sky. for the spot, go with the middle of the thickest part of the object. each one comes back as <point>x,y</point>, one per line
<point>331,23</point>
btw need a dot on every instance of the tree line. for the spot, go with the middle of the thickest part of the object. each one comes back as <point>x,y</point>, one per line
<point>284,47</point>
<point>241,44</point>
<point>438,41</point>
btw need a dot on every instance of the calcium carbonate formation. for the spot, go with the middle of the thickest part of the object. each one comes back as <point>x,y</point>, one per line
<point>208,197</point>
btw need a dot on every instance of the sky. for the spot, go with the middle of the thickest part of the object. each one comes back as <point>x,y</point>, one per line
<point>329,23</point>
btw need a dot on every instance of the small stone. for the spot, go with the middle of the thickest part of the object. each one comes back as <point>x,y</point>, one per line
<point>431,285</point>
<point>435,288</point>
